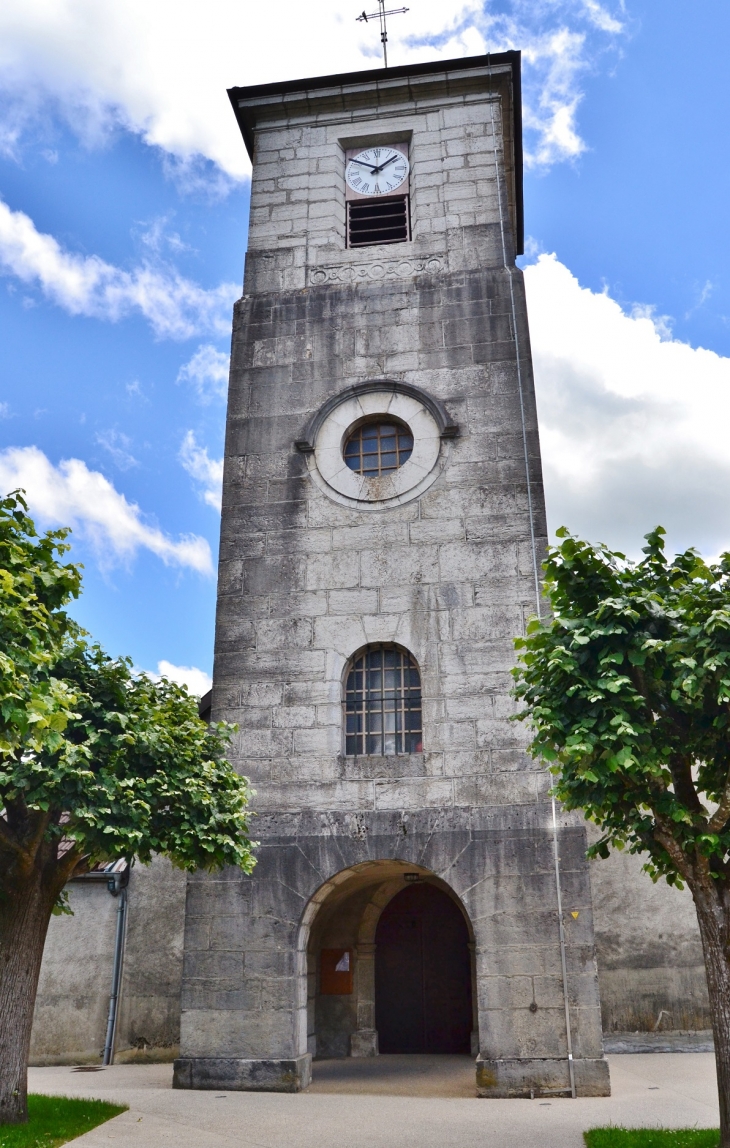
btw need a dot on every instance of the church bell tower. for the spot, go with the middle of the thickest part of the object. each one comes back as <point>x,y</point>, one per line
<point>382,531</point>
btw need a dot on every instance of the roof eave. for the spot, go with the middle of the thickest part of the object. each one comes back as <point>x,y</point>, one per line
<point>352,79</point>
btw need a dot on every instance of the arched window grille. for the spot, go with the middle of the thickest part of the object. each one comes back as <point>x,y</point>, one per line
<point>383,703</point>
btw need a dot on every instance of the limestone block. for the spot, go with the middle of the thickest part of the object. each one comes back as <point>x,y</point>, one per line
<point>415,564</point>
<point>339,570</point>
<point>238,1075</point>
<point>304,603</point>
<point>342,634</point>
<point>350,602</point>
<point>284,633</point>
<point>532,1077</point>
<point>294,717</point>
<point>310,691</point>
<point>310,542</point>
<point>374,766</point>
<point>413,793</point>
<point>364,1042</point>
<point>261,574</point>
<point>328,795</point>
<point>323,741</point>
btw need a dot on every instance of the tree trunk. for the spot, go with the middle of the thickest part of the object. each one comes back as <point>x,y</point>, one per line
<point>714,934</point>
<point>25,910</point>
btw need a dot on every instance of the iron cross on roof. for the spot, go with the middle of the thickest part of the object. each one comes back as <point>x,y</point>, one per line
<point>381,13</point>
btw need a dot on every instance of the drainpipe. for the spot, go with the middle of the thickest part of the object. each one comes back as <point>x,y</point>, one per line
<point>117,887</point>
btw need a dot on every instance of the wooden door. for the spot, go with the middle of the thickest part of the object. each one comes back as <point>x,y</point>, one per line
<point>423,974</point>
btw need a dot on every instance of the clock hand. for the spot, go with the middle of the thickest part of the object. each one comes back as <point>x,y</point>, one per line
<point>363,164</point>
<point>390,160</point>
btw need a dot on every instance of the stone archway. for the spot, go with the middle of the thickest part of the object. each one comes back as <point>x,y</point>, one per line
<point>338,931</point>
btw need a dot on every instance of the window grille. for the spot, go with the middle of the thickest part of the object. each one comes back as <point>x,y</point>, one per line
<point>383,703</point>
<point>372,221</point>
<point>377,448</point>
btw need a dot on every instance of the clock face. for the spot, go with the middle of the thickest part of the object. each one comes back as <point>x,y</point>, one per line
<point>377,171</point>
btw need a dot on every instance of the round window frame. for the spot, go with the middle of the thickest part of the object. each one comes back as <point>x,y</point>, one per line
<point>427,420</point>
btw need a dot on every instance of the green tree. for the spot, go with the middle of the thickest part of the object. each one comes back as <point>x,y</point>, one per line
<point>96,763</point>
<point>627,688</point>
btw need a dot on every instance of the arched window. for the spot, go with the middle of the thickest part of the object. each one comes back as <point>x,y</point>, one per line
<point>383,703</point>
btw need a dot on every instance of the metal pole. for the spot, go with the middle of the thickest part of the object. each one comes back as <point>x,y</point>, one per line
<point>383,33</point>
<point>111,1024</point>
<point>563,962</point>
<point>382,14</point>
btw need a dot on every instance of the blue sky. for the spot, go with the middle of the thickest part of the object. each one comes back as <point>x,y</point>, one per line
<point>123,213</point>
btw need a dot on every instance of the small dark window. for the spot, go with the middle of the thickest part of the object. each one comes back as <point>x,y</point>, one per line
<point>383,703</point>
<point>379,447</point>
<point>372,221</point>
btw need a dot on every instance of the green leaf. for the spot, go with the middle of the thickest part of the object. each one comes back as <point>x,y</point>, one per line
<point>617,742</point>
<point>113,762</point>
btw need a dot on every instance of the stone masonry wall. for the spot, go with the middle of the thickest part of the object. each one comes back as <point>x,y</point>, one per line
<point>305,582</point>
<point>72,1004</point>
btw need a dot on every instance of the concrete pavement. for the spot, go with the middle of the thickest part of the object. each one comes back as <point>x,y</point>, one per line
<point>411,1102</point>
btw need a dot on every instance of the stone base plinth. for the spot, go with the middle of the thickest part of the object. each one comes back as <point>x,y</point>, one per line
<point>521,1078</point>
<point>668,1041</point>
<point>232,1074</point>
<point>364,1042</point>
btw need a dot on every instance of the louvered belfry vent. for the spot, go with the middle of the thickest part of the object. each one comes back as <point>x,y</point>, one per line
<point>371,221</point>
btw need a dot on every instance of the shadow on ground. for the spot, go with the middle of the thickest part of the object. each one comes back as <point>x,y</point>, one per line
<point>392,1074</point>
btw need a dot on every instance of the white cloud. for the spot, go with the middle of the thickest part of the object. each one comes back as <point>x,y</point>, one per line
<point>72,495</point>
<point>197,681</point>
<point>551,114</point>
<point>174,306</point>
<point>161,70</point>
<point>208,372</point>
<point>634,424</point>
<point>207,472</point>
<point>601,17</point>
<point>118,444</point>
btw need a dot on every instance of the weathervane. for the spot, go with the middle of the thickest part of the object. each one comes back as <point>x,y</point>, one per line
<point>383,29</point>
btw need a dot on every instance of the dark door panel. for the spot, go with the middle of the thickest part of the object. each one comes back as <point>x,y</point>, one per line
<point>423,974</point>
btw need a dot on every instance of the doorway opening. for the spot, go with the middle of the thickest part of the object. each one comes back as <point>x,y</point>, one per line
<point>409,923</point>
<point>423,992</point>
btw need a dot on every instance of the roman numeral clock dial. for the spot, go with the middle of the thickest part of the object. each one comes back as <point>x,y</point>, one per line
<point>377,171</point>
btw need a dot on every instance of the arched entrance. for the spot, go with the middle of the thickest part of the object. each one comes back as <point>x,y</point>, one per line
<point>423,998</point>
<point>338,942</point>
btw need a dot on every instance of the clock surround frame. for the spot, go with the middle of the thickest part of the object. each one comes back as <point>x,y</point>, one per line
<point>401,145</point>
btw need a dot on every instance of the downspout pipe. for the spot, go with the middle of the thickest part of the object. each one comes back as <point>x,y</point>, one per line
<point>119,890</point>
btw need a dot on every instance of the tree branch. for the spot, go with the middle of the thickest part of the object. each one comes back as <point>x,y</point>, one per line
<point>722,813</point>
<point>684,787</point>
<point>7,840</point>
<point>664,836</point>
<point>69,864</point>
<point>43,823</point>
<point>25,847</point>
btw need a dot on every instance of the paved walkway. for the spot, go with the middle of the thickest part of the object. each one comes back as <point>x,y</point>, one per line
<point>418,1103</point>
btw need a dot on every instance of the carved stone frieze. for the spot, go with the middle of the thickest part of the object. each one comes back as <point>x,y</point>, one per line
<point>380,269</point>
